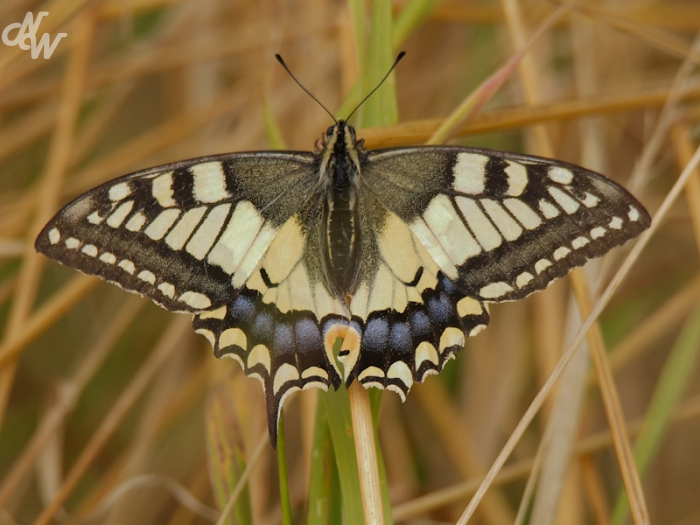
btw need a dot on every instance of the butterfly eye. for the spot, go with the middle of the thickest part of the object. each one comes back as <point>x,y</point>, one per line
<point>330,131</point>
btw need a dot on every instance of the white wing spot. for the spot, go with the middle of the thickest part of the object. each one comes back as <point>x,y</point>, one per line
<point>119,191</point>
<point>90,249</point>
<point>371,371</point>
<point>54,235</point>
<point>196,300</point>
<point>542,265</point>
<point>548,209</point>
<point>570,205</point>
<point>425,351</point>
<point>495,290</point>
<point>615,223</point>
<point>209,184</point>
<point>517,178</point>
<point>486,234</point>
<point>561,252</point>
<point>477,329</point>
<point>127,266</point>
<point>590,201</point>
<point>108,258</point>
<point>203,239</point>
<point>136,222</point>
<point>147,276</point>
<point>510,229</point>
<point>560,175</point>
<point>259,355</point>
<point>523,213</point>
<point>399,370</point>
<point>445,223</point>
<point>633,214</point>
<point>115,220</point>
<point>598,232</point>
<point>470,173</point>
<point>240,233</point>
<point>285,374</point>
<point>162,190</point>
<point>314,371</point>
<point>94,218</point>
<point>162,224</point>
<point>178,236</point>
<point>469,306</point>
<point>451,336</point>
<point>72,243</point>
<point>579,242</point>
<point>219,313</point>
<point>233,337</point>
<point>523,279</point>
<point>167,289</point>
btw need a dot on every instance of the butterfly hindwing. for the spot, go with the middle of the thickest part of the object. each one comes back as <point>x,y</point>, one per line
<point>502,225</point>
<point>408,318</point>
<point>189,234</point>
<point>283,324</point>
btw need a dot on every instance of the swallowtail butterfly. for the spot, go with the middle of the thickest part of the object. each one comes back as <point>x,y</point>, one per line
<point>266,249</point>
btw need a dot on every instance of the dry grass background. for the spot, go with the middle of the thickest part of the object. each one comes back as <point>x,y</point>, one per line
<point>114,411</point>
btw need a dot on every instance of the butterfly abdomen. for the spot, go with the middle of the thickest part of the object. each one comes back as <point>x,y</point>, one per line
<point>341,231</point>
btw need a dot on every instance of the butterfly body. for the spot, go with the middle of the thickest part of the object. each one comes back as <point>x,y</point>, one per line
<point>341,165</point>
<point>279,254</point>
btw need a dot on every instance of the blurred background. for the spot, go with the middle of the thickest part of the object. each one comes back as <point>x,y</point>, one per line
<point>114,411</point>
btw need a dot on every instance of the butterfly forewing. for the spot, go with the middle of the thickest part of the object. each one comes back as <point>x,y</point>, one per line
<point>188,235</point>
<point>501,225</point>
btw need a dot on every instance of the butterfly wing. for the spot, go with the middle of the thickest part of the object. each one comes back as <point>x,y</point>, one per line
<point>499,225</point>
<point>283,324</point>
<point>188,235</point>
<point>232,239</point>
<point>446,229</point>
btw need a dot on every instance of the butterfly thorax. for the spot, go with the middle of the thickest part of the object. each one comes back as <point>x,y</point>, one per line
<point>340,170</point>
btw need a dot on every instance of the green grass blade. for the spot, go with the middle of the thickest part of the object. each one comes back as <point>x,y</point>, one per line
<point>357,15</point>
<point>272,130</point>
<point>337,407</point>
<point>324,502</point>
<point>285,501</point>
<point>380,109</point>
<point>679,368</point>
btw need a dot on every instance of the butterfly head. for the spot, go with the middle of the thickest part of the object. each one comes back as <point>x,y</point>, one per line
<point>340,138</point>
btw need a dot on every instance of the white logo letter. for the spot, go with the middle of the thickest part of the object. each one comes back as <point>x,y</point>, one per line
<point>46,45</point>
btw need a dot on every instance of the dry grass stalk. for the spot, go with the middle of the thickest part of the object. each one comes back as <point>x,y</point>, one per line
<point>611,400</point>
<point>363,433</point>
<point>171,340</point>
<point>28,278</point>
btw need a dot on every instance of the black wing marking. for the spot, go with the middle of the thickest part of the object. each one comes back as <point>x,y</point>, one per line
<point>408,318</point>
<point>283,324</point>
<point>188,234</point>
<point>502,225</point>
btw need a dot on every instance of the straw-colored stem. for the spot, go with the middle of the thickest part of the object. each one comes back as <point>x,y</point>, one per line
<point>520,469</point>
<point>49,195</point>
<point>366,454</point>
<point>66,399</point>
<point>174,335</point>
<point>611,402</point>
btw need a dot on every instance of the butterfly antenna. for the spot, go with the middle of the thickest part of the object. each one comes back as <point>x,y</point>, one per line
<point>279,59</point>
<point>398,59</point>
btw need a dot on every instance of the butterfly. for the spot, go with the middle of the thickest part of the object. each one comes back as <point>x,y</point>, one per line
<point>278,254</point>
